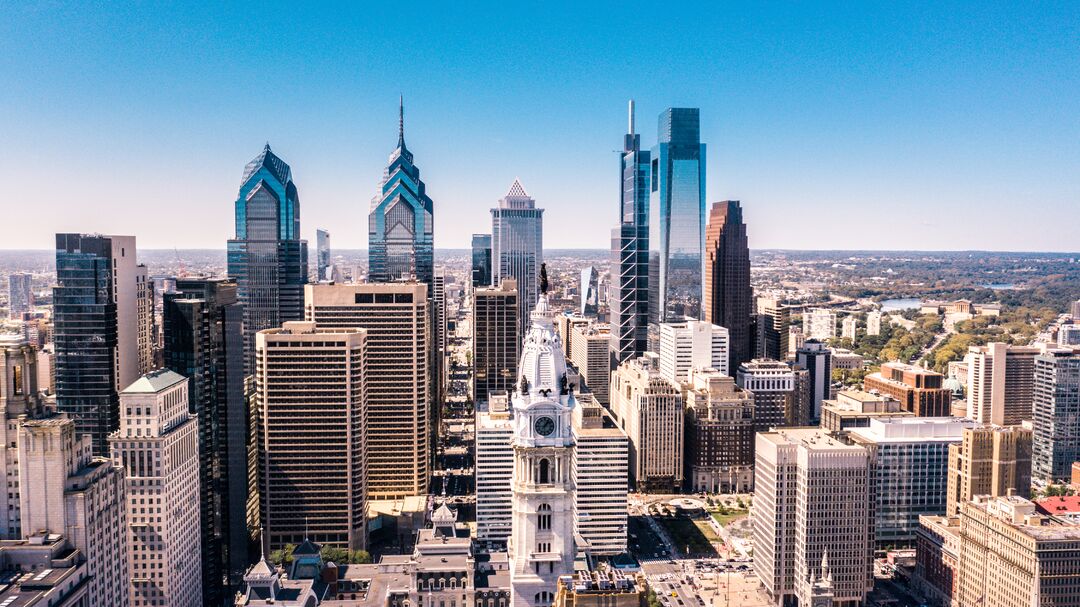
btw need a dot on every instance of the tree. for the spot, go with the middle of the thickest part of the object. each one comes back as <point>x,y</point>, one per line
<point>344,556</point>
<point>283,556</point>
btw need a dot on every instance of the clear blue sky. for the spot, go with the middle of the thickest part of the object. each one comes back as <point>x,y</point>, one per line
<point>861,125</point>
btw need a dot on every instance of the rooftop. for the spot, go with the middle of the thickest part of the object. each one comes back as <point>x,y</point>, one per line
<point>154,382</point>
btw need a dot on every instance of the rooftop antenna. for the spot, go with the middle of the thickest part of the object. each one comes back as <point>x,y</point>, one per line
<point>631,131</point>
<point>401,121</point>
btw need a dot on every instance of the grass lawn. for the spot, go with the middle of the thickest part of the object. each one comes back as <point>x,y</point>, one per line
<point>731,515</point>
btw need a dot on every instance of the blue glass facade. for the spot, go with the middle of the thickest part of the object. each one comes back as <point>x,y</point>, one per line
<point>401,223</point>
<point>628,299</point>
<point>267,259</point>
<point>677,217</point>
<point>481,260</point>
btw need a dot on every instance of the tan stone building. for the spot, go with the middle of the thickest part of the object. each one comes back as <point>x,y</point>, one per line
<point>592,357</point>
<point>990,460</point>
<point>719,434</point>
<point>649,408</point>
<point>310,394</point>
<point>400,424</point>
<point>1010,556</point>
<point>1001,383</point>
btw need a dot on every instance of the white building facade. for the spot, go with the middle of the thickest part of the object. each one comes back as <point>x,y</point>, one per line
<point>692,344</point>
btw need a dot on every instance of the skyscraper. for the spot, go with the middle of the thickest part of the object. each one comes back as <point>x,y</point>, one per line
<point>517,246</point>
<point>158,446</point>
<point>495,340</point>
<point>397,319</point>
<point>589,291</point>
<point>312,441</point>
<point>592,357</point>
<point>203,340</point>
<point>401,221</point>
<point>78,495</point>
<point>628,297</point>
<point>990,460</point>
<point>677,217</point>
<point>322,248</point>
<point>96,329</point>
<point>719,434</point>
<point>267,258</point>
<point>775,397</point>
<point>1000,383</point>
<point>650,409</point>
<point>817,359</point>
<point>19,400</point>
<point>1056,418</point>
<point>692,344</point>
<point>728,299</point>
<point>481,260</point>
<point>774,323</point>
<point>20,294</point>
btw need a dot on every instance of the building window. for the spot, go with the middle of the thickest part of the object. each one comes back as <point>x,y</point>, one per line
<point>543,518</point>
<point>545,471</point>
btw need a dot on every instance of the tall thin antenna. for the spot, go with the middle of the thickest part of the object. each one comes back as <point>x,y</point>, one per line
<point>631,131</point>
<point>401,121</point>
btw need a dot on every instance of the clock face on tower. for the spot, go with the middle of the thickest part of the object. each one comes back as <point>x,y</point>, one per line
<point>544,426</point>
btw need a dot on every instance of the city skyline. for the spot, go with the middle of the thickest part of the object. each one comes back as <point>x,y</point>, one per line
<point>864,115</point>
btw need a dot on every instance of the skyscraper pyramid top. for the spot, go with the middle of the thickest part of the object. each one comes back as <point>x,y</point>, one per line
<point>517,190</point>
<point>272,163</point>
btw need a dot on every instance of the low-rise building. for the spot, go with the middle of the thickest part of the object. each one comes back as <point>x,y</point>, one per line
<point>919,390</point>
<point>43,571</point>
<point>602,587</point>
<point>855,409</point>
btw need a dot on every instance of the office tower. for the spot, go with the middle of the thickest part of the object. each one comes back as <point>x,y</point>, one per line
<point>990,460</point>
<point>773,385</point>
<point>855,409</point>
<point>494,467</point>
<point>649,408</point>
<point>399,416</point>
<point>719,434</point>
<point>774,323</point>
<point>158,446</point>
<point>146,330</point>
<point>437,351</point>
<point>589,292</point>
<point>1000,383</point>
<point>77,495</point>
<point>1074,310</point>
<point>517,247</point>
<point>677,218</point>
<point>312,446</point>
<point>481,260</point>
<point>599,469</point>
<point>819,324</point>
<point>592,357</point>
<point>800,412</point>
<point>203,340</point>
<point>817,359</point>
<point>542,544</point>
<point>813,500</point>
<point>96,329</point>
<point>796,339</point>
<point>919,390</point>
<point>565,324</point>
<point>911,461</point>
<point>848,327</point>
<point>322,244</point>
<point>728,299</point>
<point>267,258</point>
<point>1056,419</point>
<point>495,340</point>
<point>1069,335</point>
<point>401,221</point>
<point>1010,555</point>
<point>692,344</point>
<point>628,297</point>
<point>20,295</point>
<point>19,400</point>
<point>873,322</point>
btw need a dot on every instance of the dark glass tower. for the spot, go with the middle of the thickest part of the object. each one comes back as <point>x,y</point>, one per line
<point>400,222</point>
<point>728,296</point>
<point>481,260</point>
<point>628,299</point>
<point>85,335</point>
<point>267,259</point>
<point>677,217</point>
<point>204,341</point>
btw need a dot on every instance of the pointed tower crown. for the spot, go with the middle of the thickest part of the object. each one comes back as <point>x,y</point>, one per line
<point>517,190</point>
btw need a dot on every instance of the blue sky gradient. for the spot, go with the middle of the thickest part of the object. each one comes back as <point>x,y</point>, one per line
<point>839,126</point>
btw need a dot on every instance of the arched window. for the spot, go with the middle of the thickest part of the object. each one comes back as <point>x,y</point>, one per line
<point>543,517</point>
<point>545,471</point>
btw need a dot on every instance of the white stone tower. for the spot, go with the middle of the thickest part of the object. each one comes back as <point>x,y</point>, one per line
<point>542,540</point>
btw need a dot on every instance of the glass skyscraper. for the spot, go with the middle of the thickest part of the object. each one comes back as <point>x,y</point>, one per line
<point>517,247</point>
<point>677,217</point>
<point>267,259</point>
<point>481,260</point>
<point>628,299</point>
<point>401,221</point>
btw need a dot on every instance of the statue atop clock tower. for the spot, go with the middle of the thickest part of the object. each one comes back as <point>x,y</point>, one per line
<point>541,543</point>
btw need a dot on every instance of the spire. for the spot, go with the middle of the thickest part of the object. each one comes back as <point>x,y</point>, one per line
<point>401,121</point>
<point>631,112</point>
<point>825,573</point>
<point>266,148</point>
